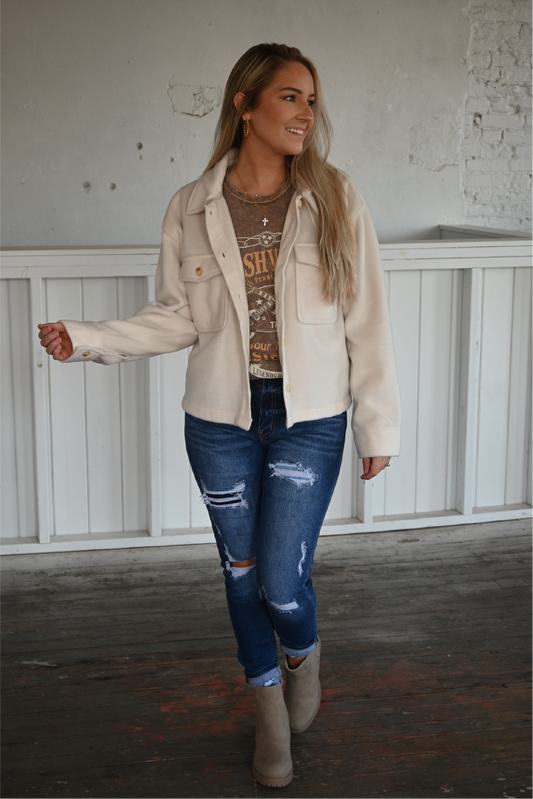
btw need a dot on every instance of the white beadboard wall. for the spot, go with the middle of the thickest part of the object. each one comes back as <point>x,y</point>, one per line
<point>94,457</point>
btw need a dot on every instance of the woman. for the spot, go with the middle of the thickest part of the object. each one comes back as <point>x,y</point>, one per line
<point>270,269</point>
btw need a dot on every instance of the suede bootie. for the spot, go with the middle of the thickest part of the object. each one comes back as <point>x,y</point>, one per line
<point>302,690</point>
<point>272,764</point>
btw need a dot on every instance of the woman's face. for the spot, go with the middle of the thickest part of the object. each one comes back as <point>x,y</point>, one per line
<point>284,114</point>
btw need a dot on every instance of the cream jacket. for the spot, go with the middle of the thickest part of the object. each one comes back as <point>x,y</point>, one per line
<point>330,355</point>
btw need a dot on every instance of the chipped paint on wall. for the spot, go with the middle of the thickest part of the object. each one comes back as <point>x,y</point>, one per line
<point>496,117</point>
<point>434,141</point>
<point>196,101</point>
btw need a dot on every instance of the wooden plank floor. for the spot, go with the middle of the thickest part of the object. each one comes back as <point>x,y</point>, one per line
<point>120,677</point>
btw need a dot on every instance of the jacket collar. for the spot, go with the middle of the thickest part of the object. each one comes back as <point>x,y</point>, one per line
<point>209,186</point>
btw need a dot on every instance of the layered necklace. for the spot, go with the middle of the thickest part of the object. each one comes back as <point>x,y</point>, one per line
<point>265,217</point>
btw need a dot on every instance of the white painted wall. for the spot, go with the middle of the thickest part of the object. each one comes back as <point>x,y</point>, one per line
<point>94,456</point>
<point>85,81</point>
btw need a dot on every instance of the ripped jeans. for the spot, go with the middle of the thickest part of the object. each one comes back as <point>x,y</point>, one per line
<point>267,490</point>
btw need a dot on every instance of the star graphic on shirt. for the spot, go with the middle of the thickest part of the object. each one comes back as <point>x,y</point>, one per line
<point>267,238</point>
<point>258,302</point>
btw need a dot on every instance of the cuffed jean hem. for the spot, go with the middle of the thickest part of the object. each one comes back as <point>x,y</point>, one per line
<point>272,677</point>
<point>298,653</point>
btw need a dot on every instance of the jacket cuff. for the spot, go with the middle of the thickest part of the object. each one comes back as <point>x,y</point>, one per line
<point>86,345</point>
<point>377,442</point>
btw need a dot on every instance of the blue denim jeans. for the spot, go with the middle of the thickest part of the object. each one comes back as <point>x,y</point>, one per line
<point>267,490</point>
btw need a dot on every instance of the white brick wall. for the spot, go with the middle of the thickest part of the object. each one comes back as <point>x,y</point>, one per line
<point>496,133</point>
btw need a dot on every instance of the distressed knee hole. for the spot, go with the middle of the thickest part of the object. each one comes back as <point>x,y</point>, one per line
<point>284,607</point>
<point>295,473</point>
<point>238,568</point>
<point>230,498</point>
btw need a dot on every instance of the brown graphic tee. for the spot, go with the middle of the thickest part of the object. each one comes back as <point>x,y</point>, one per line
<point>259,247</point>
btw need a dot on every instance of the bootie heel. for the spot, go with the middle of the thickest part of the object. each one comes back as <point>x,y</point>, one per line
<point>272,764</point>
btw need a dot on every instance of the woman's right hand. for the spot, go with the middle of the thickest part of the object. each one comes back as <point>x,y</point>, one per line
<point>56,340</point>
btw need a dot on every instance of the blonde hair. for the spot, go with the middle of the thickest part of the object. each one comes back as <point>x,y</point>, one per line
<point>252,73</point>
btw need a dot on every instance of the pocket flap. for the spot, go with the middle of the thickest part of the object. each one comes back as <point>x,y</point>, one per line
<point>198,268</point>
<point>307,254</point>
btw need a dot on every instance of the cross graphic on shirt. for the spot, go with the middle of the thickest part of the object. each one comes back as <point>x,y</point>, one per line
<point>265,220</point>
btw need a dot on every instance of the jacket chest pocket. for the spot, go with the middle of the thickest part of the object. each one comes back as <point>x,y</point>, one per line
<point>208,294</point>
<point>311,307</point>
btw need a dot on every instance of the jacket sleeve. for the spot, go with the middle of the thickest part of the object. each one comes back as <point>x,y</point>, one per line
<point>373,377</point>
<point>161,326</point>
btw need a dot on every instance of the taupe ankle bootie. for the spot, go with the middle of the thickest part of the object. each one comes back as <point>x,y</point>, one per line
<point>272,760</point>
<point>302,690</point>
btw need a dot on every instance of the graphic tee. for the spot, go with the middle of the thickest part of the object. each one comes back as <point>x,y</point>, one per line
<point>259,247</point>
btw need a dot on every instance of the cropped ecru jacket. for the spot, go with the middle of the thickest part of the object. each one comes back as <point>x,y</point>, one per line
<point>331,355</point>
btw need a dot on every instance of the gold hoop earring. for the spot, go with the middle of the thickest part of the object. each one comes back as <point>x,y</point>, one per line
<point>246,128</point>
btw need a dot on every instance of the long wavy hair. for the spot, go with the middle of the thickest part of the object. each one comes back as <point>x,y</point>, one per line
<point>310,169</point>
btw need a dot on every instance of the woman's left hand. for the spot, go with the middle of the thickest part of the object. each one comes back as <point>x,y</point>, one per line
<point>373,466</point>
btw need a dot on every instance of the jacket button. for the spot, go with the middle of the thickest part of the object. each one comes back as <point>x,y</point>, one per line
<point>198,270</point>
<point>86,354</point>
<point>288,388</point>
<point>299,204</point>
